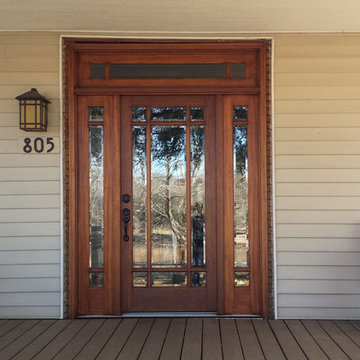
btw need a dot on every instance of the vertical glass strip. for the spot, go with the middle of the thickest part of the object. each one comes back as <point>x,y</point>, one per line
<point>240,158</point>
<point>168,196</point>
<point>96,201</point>
<point>198,195</point>
<point>139,197</point>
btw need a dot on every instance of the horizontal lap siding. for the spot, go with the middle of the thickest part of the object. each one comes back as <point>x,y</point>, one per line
<point>317,175</point>
<point>29,184</point>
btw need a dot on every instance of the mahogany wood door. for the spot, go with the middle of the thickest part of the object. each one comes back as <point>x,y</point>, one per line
<point>168,190</point>
<point>168,204</point>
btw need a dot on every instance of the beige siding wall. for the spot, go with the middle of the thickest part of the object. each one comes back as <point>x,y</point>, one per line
<point>317,176</point>
<point>29,183</point>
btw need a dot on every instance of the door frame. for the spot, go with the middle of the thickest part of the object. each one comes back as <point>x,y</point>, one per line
<point>76,51</point>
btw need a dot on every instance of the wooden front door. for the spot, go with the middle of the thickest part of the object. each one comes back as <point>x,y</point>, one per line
<point>168,191</point>
<point>168,200</point>
<point>168,179</point>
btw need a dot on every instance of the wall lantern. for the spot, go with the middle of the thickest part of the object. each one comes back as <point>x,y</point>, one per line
<point>33,111</point>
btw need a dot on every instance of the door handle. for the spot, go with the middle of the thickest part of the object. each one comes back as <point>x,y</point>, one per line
<point>126,219</point>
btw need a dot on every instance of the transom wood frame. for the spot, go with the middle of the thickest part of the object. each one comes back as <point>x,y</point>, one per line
<point>78,57</point>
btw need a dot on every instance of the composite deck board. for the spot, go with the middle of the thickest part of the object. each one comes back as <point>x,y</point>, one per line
<point>117,340</point>
<point>136,341</point>
<point>16,332</point>
<point>22,341</point>
<point>80,340</point>
<point>211,340</point>
<point>249,340</point>
<point>290,347</point>
<point>309,346</point>
<point>57,344</point>
<point>230,340</point>
<point>268,343</point>
<point>350,331</point>
<point>155,341</point>
<point>39,343</point>
<point>341,340</point>
<point>180,339</point>
<point>9,325</point>
<point>324,341</point>
<point>174,340</point>
<point>97,342</point>
<point>192,346</point>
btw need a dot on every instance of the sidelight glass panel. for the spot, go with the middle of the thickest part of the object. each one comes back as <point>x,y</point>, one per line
<point>168,114</point>
<point>96,201</point>
<point>168,196</point>
<point>198,278</point>
<point>240,154</point>
<point>241,278</point>
<point>139,114</point>
<point>196,113</point>
<point>173,279</point>
<point>140,279</point>
<point>96,279</point>
<point>139,197</point>
<point>197,149</point>
<point>240,113</point>
<point>96,114</point>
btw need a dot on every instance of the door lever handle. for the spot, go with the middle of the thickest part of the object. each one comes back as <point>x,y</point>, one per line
<point>126,219</point>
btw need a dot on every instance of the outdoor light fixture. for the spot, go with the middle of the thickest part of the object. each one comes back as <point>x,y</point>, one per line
<point>33,111</point>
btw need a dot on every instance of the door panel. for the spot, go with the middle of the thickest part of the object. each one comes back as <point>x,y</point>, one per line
<point>169,262</point>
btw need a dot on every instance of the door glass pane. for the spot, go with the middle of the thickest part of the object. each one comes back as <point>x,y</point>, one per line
<point>198,195</point>
<point>196,113</point>
<point>198,278</point>
<point>139,114</point>
<point>161,279</point>
<point>97,71</point>
<point>237,71</point>
<point>96,201</point>
<point>240,153</point>
<point>140,279</point>
<point>139,197</point>
<point>168,196</point>
<point>168,114</point>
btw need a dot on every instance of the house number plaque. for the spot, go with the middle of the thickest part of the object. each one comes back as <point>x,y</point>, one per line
<point>39,145</point>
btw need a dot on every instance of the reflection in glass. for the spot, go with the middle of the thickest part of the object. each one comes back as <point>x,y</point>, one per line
<point>161,279</point>
<point>139,279</point>
<point>197,148</point>
<point>196,113</point>
<point>198,279</point>
<point>168,196</point>
<point>241,278</point>
<point>241,240</point>
<point>96,279</point>
<point>96,201</point>
<point>168,114</point>
<point>96,113</point>
<point>139,197</point>
<point>139,114</point>
<point>240,113</point>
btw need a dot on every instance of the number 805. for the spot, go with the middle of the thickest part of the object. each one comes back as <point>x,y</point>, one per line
<point>38,145</point>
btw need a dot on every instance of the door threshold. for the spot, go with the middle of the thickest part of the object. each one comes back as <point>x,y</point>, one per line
<point>174,314</point>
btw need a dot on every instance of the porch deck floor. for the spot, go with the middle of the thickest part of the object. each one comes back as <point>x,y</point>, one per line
<point>179,338</point>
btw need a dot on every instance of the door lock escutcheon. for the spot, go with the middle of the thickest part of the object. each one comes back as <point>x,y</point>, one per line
<point>126,219</point>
